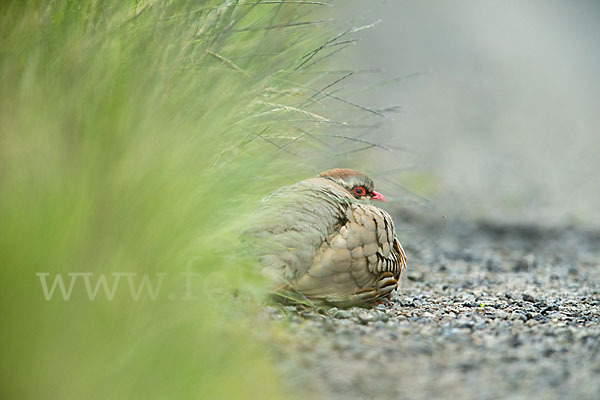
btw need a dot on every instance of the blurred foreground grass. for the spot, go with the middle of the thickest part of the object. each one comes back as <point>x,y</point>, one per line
<point>134,138</point>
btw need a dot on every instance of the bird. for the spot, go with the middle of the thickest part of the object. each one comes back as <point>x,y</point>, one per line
<point>323,239</point>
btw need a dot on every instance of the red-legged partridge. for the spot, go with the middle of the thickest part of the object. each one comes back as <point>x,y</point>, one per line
<point>322,238</point>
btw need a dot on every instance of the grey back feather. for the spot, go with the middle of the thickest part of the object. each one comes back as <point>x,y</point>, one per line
<point>294,221</point>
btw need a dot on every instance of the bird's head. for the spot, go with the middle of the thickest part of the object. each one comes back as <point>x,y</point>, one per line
<point>356,183</point>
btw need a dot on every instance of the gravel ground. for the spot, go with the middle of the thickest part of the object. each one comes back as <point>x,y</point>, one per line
<point>485,311</point>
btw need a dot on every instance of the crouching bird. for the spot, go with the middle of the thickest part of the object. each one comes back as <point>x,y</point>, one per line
<point>323,239</point>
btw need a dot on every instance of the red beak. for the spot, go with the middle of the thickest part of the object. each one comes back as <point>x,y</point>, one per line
<point>377,196</point>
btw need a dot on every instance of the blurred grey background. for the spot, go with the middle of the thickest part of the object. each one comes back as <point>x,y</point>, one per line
<point>502,121</point>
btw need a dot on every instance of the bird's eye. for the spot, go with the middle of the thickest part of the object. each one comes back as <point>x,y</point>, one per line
<point>359,190</point>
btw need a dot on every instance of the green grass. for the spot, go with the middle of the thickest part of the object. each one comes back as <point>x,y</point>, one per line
<point>136,136</point>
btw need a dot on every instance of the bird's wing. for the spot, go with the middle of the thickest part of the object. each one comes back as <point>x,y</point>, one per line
<point>361,261</point>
